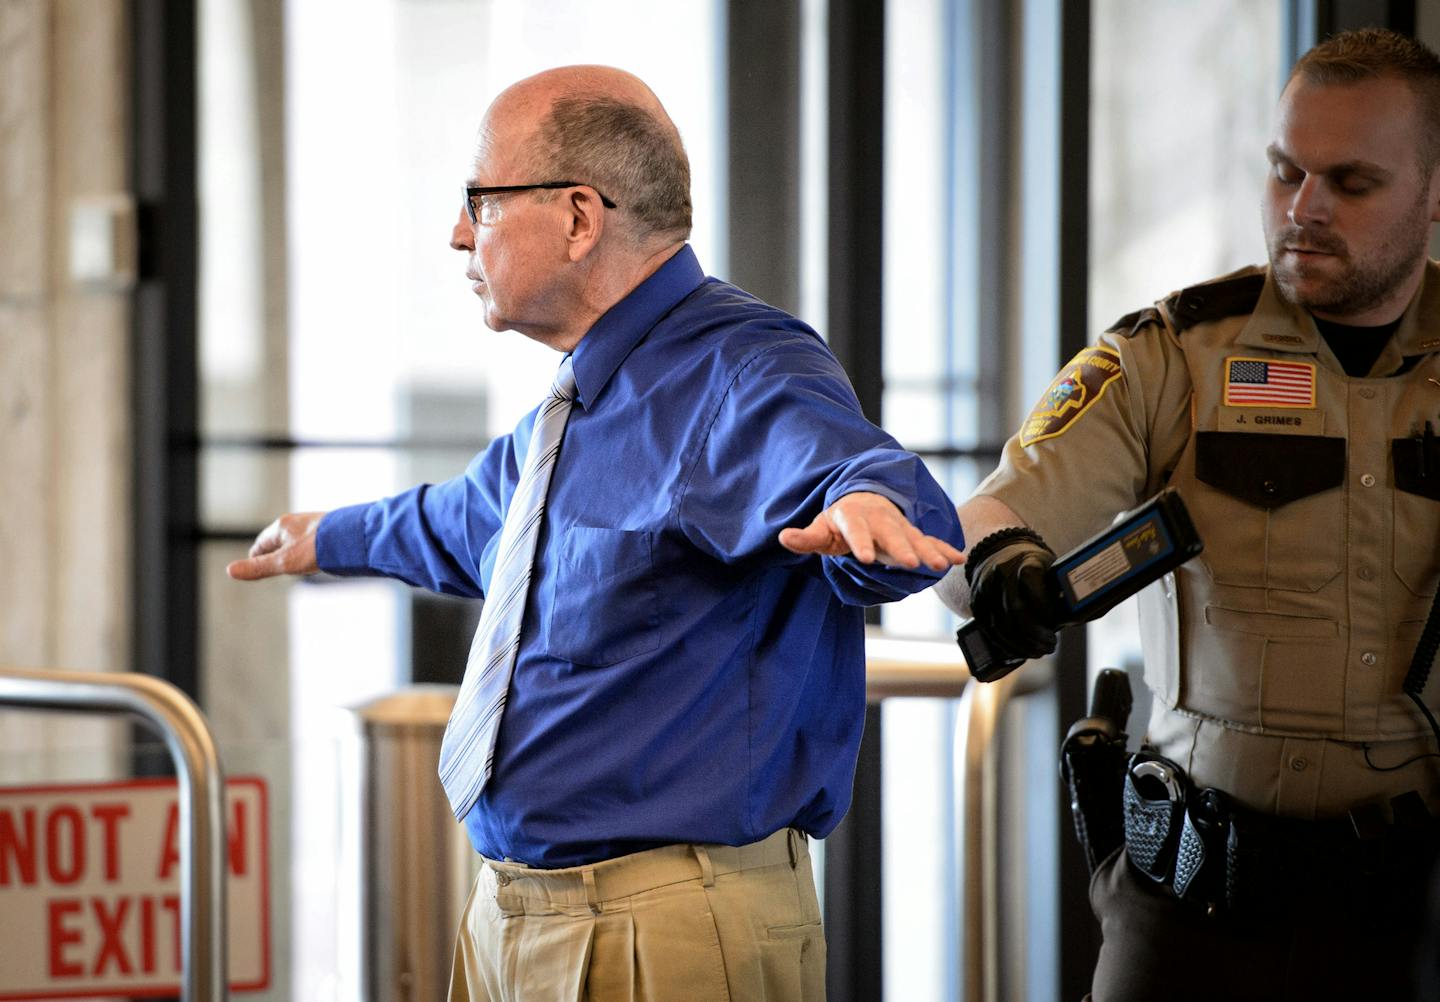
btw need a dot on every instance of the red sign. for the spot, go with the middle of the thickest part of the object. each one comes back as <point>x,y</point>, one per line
<point>89,889</point>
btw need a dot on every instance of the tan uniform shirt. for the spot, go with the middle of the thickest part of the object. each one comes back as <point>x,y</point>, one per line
<point>1279,653</point>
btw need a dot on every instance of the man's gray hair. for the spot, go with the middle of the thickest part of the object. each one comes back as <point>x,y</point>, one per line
<point>624,151</point>
<point>1372,53</point>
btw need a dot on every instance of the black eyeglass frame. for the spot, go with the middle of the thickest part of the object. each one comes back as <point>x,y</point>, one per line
<point>471,192</point>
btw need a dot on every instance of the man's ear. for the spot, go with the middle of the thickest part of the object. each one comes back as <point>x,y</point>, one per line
<point>585,219</point>
<point>1435,194</point>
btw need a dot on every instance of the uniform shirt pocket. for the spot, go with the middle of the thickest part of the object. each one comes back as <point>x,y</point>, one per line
<point>1417,513</point>
<point>1269,471</point>
<point>604,603</point>
<point>1276,519</point>
<point>1284,673</point>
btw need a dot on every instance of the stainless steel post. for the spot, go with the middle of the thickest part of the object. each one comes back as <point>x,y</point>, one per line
<point>977,797</point>
<point>416,863</point>
<point>201,797</point>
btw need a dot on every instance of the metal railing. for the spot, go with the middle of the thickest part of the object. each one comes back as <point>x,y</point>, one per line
<point>900,667</point>
<point>896,667</point>
<point>201,792</point>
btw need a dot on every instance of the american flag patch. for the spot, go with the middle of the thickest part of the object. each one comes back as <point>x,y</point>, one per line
<point>1264,382</point>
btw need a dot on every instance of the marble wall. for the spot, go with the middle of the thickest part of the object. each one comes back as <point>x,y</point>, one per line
<point>64,349</point>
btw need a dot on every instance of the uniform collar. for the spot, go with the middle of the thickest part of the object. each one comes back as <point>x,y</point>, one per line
<point>625,324</point>
<point>1419,332</point>
<point>1277,325</point>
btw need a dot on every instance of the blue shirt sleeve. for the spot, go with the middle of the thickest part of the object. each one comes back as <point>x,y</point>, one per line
<point>440,537</point>
<point>786,441</point>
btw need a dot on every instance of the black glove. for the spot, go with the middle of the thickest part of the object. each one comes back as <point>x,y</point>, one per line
<point>1010,595</point>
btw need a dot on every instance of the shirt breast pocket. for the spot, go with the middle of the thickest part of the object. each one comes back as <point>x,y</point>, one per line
<point>1417,513</point>
<point>604,603</point>
<point>1277,520</point>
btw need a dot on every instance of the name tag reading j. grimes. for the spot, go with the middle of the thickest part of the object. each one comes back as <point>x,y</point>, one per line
<point>1272,421</point>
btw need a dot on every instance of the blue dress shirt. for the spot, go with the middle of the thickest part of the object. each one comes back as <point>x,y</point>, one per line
<point>681,676</point>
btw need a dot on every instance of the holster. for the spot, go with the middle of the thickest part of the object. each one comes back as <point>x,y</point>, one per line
<point>1179,836</point>
<point>1204,859</point>
<point>1252,866</point>
<point>1093,765</point>
<point>1153,817</point>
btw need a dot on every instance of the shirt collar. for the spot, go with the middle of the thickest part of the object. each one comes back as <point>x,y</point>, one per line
<point>1277,325</point>
<point>1419,332</point>
<point>622,327</point>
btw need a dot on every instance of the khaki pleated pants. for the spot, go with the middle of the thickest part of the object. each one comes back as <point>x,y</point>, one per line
<point>682,923</point>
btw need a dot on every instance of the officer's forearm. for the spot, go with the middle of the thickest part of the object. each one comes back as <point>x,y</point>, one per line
<point>979,517</point>
<point>982,515</point>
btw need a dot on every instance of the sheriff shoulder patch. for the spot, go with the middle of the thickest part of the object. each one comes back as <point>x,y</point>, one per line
<point>1072,393</point>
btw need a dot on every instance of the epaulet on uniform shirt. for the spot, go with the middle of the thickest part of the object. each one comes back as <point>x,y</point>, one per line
<point>1133,323</point>
<point>1225,297</point>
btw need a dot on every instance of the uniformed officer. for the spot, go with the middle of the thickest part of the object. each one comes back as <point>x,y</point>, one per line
<point>1295,408</point>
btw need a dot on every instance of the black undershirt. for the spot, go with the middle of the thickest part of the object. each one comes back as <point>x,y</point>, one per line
<point>1357,348</point>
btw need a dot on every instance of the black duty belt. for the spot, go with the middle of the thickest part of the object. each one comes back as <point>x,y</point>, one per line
<point>1213,853</point>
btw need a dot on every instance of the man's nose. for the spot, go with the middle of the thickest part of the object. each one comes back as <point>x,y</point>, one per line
<point>1310,205</point>
<point>462,235</point>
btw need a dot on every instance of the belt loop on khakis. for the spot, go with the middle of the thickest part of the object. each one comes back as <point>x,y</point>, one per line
<point>793,837</point>
<point>707,872</point>
<point>592,894</point>
<point>506,900</point>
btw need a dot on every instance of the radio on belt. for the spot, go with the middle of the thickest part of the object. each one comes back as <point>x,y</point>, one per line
<point>1100,573</point>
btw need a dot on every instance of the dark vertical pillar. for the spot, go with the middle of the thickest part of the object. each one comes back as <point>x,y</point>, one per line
<point>997,171</point>
<point>1343,15</point>
<point>164,349</point>
<point>1074,298</point>
<point>853,971</point>
<point>856,123</point>
<point>857,187</point>
<point>763,132</point>
<point>1306,22</point>
<point>1078,940</point>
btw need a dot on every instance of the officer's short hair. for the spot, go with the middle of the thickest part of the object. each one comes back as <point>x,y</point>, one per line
<point>1371,53</point>
<point>624,151</point>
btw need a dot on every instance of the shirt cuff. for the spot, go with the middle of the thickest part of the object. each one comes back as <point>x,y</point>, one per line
<point>341,544</point>
<point>899,500</point>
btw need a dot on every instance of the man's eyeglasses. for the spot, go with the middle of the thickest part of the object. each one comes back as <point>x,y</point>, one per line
<point>474,194</point>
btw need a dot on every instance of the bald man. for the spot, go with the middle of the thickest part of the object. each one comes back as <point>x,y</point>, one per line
<point>666,692</point>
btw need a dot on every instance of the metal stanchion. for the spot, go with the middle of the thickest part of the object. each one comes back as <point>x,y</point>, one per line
<point>415,861</point>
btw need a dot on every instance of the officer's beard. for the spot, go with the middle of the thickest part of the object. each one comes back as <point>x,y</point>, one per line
<point>1362,284</point>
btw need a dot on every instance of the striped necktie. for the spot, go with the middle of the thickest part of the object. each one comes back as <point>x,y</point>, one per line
<point>468,751</point>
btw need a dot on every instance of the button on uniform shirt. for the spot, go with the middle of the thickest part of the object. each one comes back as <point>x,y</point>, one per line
<point>681,676</point>
<point>1279,653</point>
